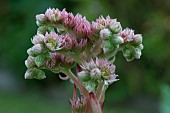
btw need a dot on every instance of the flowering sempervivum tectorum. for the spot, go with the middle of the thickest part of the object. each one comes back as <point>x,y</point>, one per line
<point>64,42</point>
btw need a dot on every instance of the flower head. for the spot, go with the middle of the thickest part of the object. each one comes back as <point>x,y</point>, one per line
<point>99,68</point>
<point>66,41</point>
<point>53,14</point>
<point>127,34</point>
<point>102,23</point>
<point>30,62</point>
<point>82,26</point>
<point>41,19</point>
<point>78,105</point>
<point>53,41</point>
<point>36,50</point>
<point>38,39</point>
<point>79,45</point>
<point>67,18</point>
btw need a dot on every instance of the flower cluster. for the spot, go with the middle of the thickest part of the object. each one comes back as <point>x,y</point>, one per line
<point>107,30</point>
<point>132,44</point>
<point>96,71</point>
<point>102,23</point>
<point>63,21</point>
<point>64,41</point>
<point>78,105</point>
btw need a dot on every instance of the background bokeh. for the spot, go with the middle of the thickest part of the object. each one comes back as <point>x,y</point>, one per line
<point>144,84</point>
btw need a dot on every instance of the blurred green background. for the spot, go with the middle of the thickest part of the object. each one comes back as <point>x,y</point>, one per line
<point>144,84</point>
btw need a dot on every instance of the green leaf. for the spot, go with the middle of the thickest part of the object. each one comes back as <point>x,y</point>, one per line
<point>127,53</point>
<point>107,46</point>
<point>40,74</point>
<point>39,60</point>
<point>90,85</point>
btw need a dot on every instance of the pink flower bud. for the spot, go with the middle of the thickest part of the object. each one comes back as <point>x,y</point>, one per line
<point>66,42</point>
<point>67,18</point>
<point>30,73</point>
<point>53,14</point>
<point>78,105</point>
<point>96,27</point>
<point>38,49</point>
<point>115,26</point>
<point>35,50</point>
<point>41,19</point>
<point>105,33</point>
<point>30,62</point>
<point>38,39</point>
<point>82,27</point>
<point>101,20</point>
<point>138,39</point>
<point>127,34</point>
<point>79,46</point>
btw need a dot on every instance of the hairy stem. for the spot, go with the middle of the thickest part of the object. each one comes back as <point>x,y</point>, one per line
<point>99,91</point>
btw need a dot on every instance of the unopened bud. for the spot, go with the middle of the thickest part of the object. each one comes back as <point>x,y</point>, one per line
<point>30,73</point>
<point>40,74</point>
<point>41,19</point>
<point>117,40</point>
<point>30,62</point>
<point>115,26</point>
<point>105,33</point>
<point>84,76</point>
<point>137,53</point>
<point>35,50</point>
<point>38,48</point>
<point>78,105</point>
<point>30,52</point>
<point>138,39</point>
<point>140,47</point>
<point>38,39</point>
<point>95,74</point>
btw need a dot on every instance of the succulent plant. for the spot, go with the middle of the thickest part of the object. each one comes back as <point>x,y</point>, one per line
<point>64,41</point>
